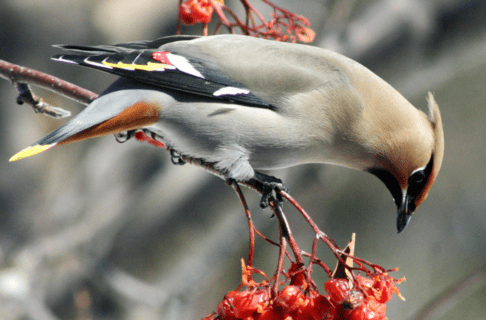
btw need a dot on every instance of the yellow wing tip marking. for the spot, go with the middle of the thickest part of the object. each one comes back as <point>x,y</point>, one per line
<point>150,66</point>
<point>30,151</point>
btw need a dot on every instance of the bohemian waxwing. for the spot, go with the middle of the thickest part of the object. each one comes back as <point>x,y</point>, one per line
<point>243,103</point>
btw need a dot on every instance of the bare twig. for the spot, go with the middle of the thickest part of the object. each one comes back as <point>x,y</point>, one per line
<point>286,236</point>
<point>179,22</point>
<point>18,74</point>
<point>39,105</point>
<point>281,256</point>
<point>251,226</point>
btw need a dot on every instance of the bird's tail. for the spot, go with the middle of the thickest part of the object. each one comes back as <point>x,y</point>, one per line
<point>109,114</point>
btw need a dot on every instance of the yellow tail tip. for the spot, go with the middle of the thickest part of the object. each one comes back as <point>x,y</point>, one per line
<point>30,151</point>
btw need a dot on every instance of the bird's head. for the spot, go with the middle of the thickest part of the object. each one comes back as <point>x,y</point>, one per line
<point>411,168</point>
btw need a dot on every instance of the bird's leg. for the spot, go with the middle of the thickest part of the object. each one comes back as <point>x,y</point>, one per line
<point>267,185</point>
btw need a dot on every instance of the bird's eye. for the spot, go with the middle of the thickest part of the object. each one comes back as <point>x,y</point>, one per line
<point>417,177</point>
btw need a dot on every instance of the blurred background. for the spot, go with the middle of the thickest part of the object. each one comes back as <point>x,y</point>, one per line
<point>102,230</point>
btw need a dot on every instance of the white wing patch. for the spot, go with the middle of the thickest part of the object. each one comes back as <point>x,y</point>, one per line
<point>231,91</point>
<point>61,59</point>
<point>182,64</point>
<point>97,64</point>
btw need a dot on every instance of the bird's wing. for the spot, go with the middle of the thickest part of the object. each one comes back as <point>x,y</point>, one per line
<point>239,69</point>
<point>148,62</point>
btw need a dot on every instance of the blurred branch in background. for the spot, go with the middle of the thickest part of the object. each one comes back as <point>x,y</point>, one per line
<point>453,295</point>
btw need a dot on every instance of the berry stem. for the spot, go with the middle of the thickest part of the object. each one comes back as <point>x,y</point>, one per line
<point>251,226</point>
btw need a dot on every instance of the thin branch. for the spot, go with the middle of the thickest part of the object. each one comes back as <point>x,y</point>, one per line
<point>179,22</point>
<point>18,74</point>
<point>251,226</point>
<point>281,256</point>
<point>38,104</point>
<point>286,232</point>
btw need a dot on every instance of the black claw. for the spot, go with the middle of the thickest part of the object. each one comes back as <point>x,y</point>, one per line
<point>156,137</point>
<point>270,185</point>
<point>266,194</point>
<point>176,158</point>
<point>124,136</point>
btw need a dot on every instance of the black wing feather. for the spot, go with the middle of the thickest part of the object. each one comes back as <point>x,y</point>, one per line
<point>124,47</point>
<point>154,44</point>
<point>140,53</point>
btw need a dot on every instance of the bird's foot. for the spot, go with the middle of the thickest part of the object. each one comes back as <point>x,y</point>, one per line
<point>124,136</point>
<point>176,158</point>
<point>269,186</point>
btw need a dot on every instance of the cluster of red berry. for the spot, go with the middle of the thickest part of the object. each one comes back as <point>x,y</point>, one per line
<point>290,303</point>
<point>195,11</point>
<point>366,301</point>
<point>283,26</point>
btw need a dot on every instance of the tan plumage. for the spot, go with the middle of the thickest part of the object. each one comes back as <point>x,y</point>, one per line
<point>244,103</point>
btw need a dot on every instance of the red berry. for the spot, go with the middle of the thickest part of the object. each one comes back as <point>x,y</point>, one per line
<point>365,282</point>
<point>210,317</point>
<point>226,307</point>
<point>185,13</point>
<point>290,299</point>
<point>385,287</point>
<point>353,300</point>
<point>338,289</point>
<point>369,310</point>
<point>270,313</point>
<point>195,11</point>
<point>318,307</point>
<point>242,304</point>
<point>202,11</point>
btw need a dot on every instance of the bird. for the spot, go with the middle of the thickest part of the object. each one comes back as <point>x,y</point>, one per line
<point>246,104</point>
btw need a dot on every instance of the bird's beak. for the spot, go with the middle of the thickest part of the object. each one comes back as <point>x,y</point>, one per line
<point>405,211</point>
